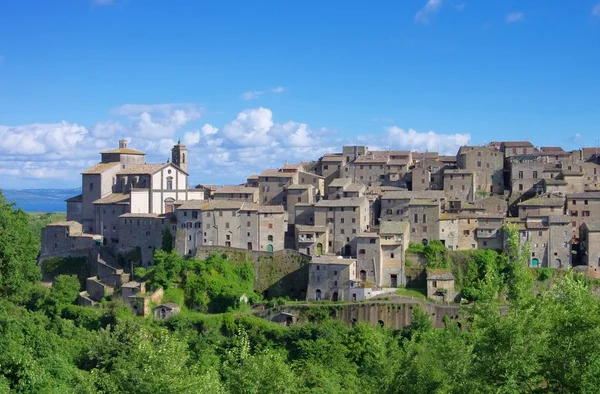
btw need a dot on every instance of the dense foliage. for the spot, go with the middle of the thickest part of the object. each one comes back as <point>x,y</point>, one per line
<point>512,340</point>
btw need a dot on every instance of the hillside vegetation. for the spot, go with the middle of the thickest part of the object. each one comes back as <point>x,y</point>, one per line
<point>512,340</point>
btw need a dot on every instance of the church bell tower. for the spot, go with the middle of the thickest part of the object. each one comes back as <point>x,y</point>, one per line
<point>179,156</point>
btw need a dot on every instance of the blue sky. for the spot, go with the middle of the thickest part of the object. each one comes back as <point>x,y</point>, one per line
<point>248,85</point>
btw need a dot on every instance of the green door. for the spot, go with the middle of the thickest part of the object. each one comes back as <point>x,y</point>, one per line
<point>269,248</point>
<point>535,262</point>
<point>319,249</point>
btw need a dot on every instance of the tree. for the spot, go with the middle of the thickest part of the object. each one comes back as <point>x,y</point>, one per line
<point>18,252</point>
<point>167,241</point>
<point>64,291</point>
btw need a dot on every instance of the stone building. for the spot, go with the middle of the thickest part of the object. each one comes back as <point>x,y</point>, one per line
<point>237,193</point>
<point>543,205</point>
<point>460,185</point>
<point>589,243</point>
<point>515,148</point>
<point>273,185</point>
<point>424,217</point>
<point>144,231</point>
<point>167,310</point>
<point>394,240</point>
<point>62,238</point>
<point>440,285</point>
<point>299,194</point>
<point>582,208</point>
<point>331,278</point>
<point>345,219</point>
<point>549,238</point>
<point>395,204</point>
<point>427,174</point>
<point>329,167</point>
<point>311,240</point>
<point>487,165</point>
<point>231,224</point>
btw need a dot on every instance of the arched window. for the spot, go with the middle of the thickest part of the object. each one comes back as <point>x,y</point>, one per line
<point>318,294</point>
<point>170,183</point>
<point>270,238</point>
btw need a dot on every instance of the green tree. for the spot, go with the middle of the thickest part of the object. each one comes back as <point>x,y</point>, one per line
<point>64,292</point>
<point>18,252</point>
<point>167,241</point>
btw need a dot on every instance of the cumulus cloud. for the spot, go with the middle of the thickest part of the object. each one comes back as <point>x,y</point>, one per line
<point>40,139</point>
<point>446,144</point>
<point>251,127</point>
<point>432,7</point>
<point>514,17</point>
<point>596,11</point>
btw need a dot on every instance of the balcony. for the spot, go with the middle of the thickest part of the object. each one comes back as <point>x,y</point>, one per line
<point>391,241</point>
<point>306,238</point>
<point>487,233</point>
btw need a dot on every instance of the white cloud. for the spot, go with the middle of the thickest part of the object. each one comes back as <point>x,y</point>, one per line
<point>596,10</point>
<point>250,128</point>
<point>514,17</point>
<point>191,138</point>
<point>447,144</point>
<point>208,129</point>
<point>252,95</point>
<point>157,121</point>
<point>430,8</point>
<point>576,138</point>
<point>107,129</point>
<point>41,139</point>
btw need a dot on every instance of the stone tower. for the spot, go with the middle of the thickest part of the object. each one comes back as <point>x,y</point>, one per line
<point>179,156</point>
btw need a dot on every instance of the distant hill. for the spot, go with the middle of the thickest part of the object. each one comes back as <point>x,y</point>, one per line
<point>41,200</point>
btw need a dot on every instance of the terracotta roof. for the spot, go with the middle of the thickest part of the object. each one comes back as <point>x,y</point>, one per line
<point>100,168</point>
<point>393,227</point>
<point>236,190</point>
<point>407,195</point>
<point>252,177</point>
<point>551,149</point>
<point>332,158</point>
<point>423,202</point>
<point>78,198</point>
<point>222,204</point>
<point>209,187</point>
<point>113,198</point>
<point>191,204</point>
<point>275,174</point>
<point>559,219</point>
<point>355,187</point>
<point>458,171</point>
<point>302,172</point>
<point>342,202</point>
<point>371,160</point>
<point>543,202</point>
<point>66,223</point>
<point>535,225</point>
<point>291,166</point>
<point>313,229</point>
<point>584,196</point>
<point>331,259</point>
<point>340,182</point>
<point>125,151</point>
<point>368,235</point>
<point>592,226</point>
<point>447,159</point>
<point>517,144</point>
<point>142,169</point>
<point>466,148</point>
<point>140,215</point>
<point>271,209</point>
<point>439,275</point>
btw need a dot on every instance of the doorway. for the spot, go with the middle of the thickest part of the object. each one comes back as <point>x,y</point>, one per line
<point>319,249</point>
<point>363,275</point>
<point>394,280</point>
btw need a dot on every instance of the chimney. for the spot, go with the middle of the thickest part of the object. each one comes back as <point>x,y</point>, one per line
<point>122,144</point>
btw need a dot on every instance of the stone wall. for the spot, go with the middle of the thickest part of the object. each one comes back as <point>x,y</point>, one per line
<point>278,274</point>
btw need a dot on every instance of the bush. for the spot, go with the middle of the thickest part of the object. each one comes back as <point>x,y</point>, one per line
<point>544,274</point>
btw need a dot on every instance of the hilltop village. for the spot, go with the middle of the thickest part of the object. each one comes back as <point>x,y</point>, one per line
<point>351,215</point>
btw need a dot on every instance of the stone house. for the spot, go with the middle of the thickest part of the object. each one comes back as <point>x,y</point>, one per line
<point>345,219</point>
<point>487,164</point>
<point>591,173</point>
<point>311,240</point>
<point>543,205</point>
<point>575,180</point>
<point>144,231</point>
<point>330,278</point>
<point>284,318</point>
<point>554,185</point>
<point>329,167</point>
<point>582,208</point>
<point>299,194</point>
<point>525,174</point>
<point>304,214</point>
<point>231,224</point>
<point>62,238</point>
<point>427,174</point>
<point>336,187</point>
<point>589,243</point>
<point>395,204</point>
<point>251,181</point>
<point>423,216</point>
<point>440,285</point>
<point>237,193</point>
<point>549,238</point>
<point>394,240</point>
<point>489,232</point>
<point>132,288</point>
<point>317,182</point>
<point>515,148</point>
<point>493,204</point>
<point>273,185</point>
<point>460,185</point>
<point>166,310</point>
<point>209,190</point>
<point>368,259</point>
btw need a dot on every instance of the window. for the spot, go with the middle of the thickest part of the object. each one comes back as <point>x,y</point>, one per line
<point>270,225</point>
<point>585,202</point>
<point>520,187</point>
<point>424,218</point>
<point>342,220</point>
<point>91,186</point>
<point>585,213</point>
<point>170,183</point>
<point>466,232</point>
<point>270,238</point>
<point>326,167</point>
<point>535,175</point>
<point>247,224</point>
<point>342,231</point>
<point>520,174</point>
<point>233,213</point>
<point>424,228</point>
<point>353,220</point>
<point>228,236</point>
<point>207,214</point>
<point>478,164</point>
<point>226,224</point>
<point>372,241</point>
<point>539,233</point>
<point>416,218</point>
<point>299,199</point>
